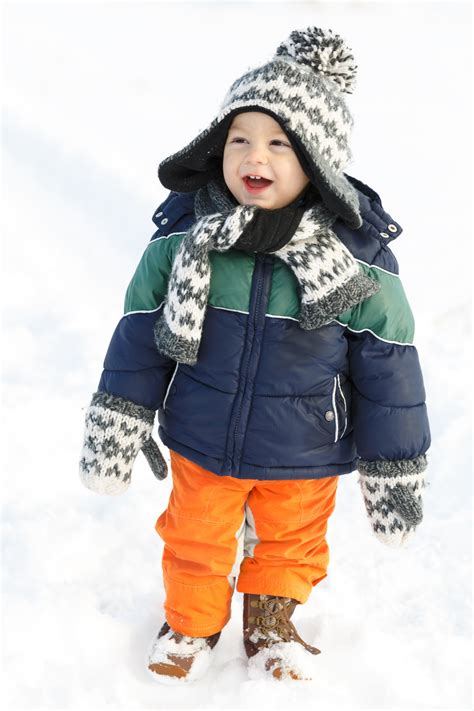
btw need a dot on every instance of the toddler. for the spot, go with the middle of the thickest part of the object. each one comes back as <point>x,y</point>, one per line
<point>267,325</point>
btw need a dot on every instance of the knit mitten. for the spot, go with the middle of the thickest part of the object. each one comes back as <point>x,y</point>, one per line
<point>392,492</point>
<point>115,430</point>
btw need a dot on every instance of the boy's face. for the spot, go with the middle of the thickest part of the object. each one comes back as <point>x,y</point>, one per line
<point>257,145</point>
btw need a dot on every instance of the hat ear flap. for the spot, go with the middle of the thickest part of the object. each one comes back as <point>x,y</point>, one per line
<point>199,162</point>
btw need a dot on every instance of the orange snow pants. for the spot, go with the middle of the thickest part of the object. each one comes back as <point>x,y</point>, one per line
<point>269,534</point>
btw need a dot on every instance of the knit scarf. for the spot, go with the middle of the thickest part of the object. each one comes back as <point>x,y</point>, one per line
<point>330,279</point>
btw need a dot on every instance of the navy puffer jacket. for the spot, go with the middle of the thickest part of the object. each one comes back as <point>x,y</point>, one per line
<point>267,399</point>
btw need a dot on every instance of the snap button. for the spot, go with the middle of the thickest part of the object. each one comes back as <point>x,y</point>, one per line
<point>329,415</point>
<point>163,222</point>
<point>158,214</point>
<point>392,228</point>
<point>385,235</point>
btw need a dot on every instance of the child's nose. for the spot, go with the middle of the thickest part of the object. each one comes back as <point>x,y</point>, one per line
<point>256,154</point>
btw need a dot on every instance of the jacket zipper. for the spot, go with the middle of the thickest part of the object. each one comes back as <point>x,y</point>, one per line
<point>254,324</point>
<point>259,276</point>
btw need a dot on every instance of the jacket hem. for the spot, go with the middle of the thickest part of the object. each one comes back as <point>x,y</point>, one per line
<point>253,471</point>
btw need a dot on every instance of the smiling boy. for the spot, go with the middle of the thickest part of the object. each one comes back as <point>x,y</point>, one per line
<point>270,331</point>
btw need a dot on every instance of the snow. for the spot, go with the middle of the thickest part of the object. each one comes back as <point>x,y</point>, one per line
<point>91,105</point>
<point>289,659</point>
<point>195,647</point>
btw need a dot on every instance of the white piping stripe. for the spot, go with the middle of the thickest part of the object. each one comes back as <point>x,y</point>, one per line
<point>129,313</point>
<point>385,340</point>
<point>334,320</point>
<point>336,419</point>
<point>172,378</point>
<point>157,239</point>
<point>374,266</point>
<point>223,308</point>
<point>290,318</point>
<point>345,405</point>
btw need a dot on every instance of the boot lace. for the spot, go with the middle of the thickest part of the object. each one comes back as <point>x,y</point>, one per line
<point>274,624</point>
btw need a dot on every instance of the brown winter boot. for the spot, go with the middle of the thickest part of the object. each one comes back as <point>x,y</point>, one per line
<point>271,640</point>
<point>173,655</point>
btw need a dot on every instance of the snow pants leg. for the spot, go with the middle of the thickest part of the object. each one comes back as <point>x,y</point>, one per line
<point>269,534</point>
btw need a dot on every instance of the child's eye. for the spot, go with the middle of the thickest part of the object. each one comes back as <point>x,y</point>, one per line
<point>238,140</point>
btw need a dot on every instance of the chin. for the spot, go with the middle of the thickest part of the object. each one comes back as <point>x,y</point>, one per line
<point>261,200</point>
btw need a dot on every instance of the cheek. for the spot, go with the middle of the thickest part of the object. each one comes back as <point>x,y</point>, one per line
<point>298,176</point>
<point>230,170</point>
<point>229,162</point>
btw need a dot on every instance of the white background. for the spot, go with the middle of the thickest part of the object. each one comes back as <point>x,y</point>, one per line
<point>95,96</point>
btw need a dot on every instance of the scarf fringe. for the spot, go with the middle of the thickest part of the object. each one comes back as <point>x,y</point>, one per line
<point>319,313</point>
<point>182,350</point>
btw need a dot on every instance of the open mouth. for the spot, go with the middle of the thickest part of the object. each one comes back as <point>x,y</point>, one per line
<point>256,184</point>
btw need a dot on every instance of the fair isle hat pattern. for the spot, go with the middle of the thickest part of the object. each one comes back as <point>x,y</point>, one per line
<point>304,88</point>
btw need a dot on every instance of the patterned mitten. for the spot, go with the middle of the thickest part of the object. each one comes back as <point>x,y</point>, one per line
<point>115,430</point>
<point>392,494</point>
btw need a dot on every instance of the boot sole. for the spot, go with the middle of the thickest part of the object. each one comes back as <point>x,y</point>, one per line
<point>172,674</point>
<point>269,662</point>
<point>167,674</point>
<point>167,670</point>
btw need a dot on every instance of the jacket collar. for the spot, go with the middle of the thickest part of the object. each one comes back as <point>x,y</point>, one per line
<point>179,207</point>
<point>376,221</point>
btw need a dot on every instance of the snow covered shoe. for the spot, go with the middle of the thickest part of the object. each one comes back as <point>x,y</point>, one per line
<point>271,641</point>
<point>175,656</point>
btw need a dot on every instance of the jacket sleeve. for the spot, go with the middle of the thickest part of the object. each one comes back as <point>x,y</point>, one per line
<point>133,367</point>
<point>388,397</point>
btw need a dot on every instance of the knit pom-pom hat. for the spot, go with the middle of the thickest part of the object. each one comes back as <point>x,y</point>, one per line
<point>303,88</point>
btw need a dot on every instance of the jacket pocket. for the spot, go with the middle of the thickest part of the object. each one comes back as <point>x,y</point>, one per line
<point>340,408</point>
<point>171,387</point>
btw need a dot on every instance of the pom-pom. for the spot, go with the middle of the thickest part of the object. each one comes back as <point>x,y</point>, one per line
<point>324,52</point>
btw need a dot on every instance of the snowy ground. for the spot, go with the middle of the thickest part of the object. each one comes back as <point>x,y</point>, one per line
<point>95,96</point>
